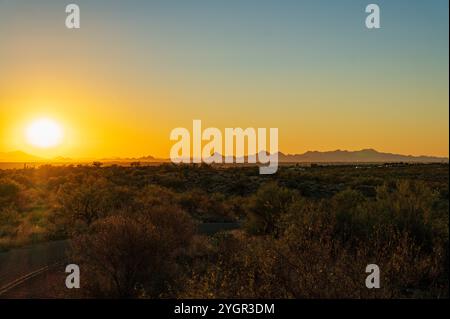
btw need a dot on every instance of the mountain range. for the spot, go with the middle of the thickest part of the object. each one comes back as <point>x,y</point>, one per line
<point>364,155</point>
<point>19,156</point>
<point>337,156</point>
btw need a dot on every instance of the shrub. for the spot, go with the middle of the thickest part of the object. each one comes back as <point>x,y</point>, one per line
<point>134,256</point>
<point>267,206</point>
<point>85,202</point>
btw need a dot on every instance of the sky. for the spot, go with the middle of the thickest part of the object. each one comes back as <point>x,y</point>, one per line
<point>135,70</point>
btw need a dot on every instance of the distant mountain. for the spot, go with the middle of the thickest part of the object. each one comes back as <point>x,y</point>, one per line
<point>338,156</point>
<point>19,156</point>
<point>217,156</point>
<point>62,159</point>
<point>147,158</point>
<point>362,156</point>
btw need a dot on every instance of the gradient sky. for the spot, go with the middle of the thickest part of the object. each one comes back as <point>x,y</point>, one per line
<point>137,69</point>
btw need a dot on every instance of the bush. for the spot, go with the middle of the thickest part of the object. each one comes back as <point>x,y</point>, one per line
<point>85,202</point>
<point>322,247</point>
<point>9,191</point>
<point>134,256</point>
<point>9,220</point>
<point>266,207</point>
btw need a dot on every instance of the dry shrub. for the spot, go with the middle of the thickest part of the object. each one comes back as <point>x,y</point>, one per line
<point>134,256</point>
<point>320,249</point>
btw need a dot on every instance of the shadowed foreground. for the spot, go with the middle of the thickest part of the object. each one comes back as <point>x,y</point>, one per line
<point>212,232</point>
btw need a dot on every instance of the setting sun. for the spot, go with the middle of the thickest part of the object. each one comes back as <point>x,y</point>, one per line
<point>44,133</point>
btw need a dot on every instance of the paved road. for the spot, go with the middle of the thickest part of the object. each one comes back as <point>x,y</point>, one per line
<point>21,262</point>
<point>27,272</point>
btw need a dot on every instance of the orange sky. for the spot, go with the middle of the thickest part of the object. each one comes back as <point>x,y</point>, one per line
<point>119,91</point>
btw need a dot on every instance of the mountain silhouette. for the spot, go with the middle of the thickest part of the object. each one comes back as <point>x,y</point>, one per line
<point>19,156</point>
<point>368,155</point>
<point>365,156</point>
<point>338,156</point>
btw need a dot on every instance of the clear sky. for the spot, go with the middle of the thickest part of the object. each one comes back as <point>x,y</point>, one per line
<point>137,69</point>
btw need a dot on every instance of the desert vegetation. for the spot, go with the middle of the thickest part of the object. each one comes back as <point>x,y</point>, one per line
<point>305,232</point>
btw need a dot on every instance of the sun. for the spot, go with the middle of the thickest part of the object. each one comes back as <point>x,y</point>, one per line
<point>44,133</point>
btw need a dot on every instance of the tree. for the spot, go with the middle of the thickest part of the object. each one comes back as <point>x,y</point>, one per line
<point>85,201</point>
<point>97,164</point>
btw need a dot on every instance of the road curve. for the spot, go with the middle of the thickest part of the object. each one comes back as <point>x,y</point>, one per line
<point>20,265</point>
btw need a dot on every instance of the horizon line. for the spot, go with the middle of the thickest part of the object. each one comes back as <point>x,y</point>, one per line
<point>60,158</point>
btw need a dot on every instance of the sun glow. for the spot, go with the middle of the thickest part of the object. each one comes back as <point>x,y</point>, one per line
<point>44,133</point>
